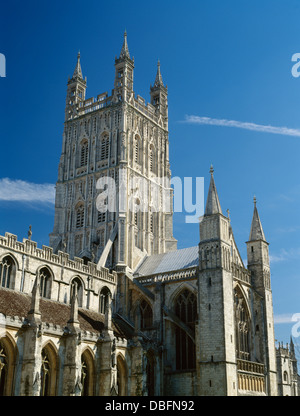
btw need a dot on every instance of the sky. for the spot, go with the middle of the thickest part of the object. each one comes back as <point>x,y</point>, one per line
<point>233,103</point>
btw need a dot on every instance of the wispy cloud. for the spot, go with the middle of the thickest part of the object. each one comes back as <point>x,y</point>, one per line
<point>284,255</point>
<point>21,191</point>
<point>191,119</point>
<point>285,318</point>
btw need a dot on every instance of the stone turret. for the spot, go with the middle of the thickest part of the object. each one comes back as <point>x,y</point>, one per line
<point>216,361</point>
<point>259,266</point>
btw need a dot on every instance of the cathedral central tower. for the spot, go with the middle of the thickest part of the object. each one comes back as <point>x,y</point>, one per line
<point>122,140</point>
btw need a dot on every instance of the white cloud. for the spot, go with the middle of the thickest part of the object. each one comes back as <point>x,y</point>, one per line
<point>286,318</point>
<point>284,255</point>
<point>22,191</point>
<point>242,125</point>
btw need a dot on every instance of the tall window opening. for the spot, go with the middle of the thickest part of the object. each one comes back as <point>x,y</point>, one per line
<point>45,282</point>
<point>77,282</point>
<point>7,268</point>
<point>137,150</point>
<point>103,300</point>
<point>242,326</point>
<point>45,374</point>
<point>186,310</point>
<point>146,315</point>
<point>121,376</point>
<point>80,216</point>
<point>84,154</point>
<point>104,147</point>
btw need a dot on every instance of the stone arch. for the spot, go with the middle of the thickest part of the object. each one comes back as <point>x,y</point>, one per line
<point>242,315</point>
<point>46,277</point>
<point>144,309</point>
<point>80,289</point>
<point>178,290</point>
<point>122,375</point>
<point>8,268</point>
<point>104,294</point>
<point>8,360</point>
<point>87,372</point>
<point>186,311</point>
<point>49,369</point>
<point>14,258</point>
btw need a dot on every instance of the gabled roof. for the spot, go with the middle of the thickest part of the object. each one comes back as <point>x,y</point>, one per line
<point>174,260</point>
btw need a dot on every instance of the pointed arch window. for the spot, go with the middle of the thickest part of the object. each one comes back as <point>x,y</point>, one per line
<point>84,153</point>
<point>45,282</point>
<point>242,325</point>
<point>84,377</point>
<point>151,159</point>
<point>121,376</point>
<point>7,269</point>
<point>186,310</point>
<point>137,150</point>
<point>103,300</point>
<point>80,216</point>
<point>104,147</point>
<point>87,374</point>
<point>146,315</point>
<point>45,374</point>
<point>77,282</point>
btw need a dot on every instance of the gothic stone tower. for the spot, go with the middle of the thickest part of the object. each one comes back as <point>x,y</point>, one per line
<point>118,140</point>
<point>236,346</point>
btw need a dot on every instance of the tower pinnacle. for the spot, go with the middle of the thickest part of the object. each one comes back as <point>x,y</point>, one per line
<point>78,71</point>
<point>256,232</point>
<point>125,51</point>
<point>212,204</point>
<point>158,79</point>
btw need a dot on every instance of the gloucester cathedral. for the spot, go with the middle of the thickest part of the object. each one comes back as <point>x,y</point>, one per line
<point>111,306</point>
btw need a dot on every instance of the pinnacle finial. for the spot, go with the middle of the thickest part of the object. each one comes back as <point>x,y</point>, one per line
<point>125,50</point>
<point>212,203</point>
<point>256,232</point>
<point>78,71</point>
<point>158,79</point>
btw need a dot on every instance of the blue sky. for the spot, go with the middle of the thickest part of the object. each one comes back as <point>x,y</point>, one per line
<point>228,61</point>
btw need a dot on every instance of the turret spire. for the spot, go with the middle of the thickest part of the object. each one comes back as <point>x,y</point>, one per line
<point>212,204</point>
<point>125,51</point>
<point>158,80</point>
<point>256,232</point>
<point>78,71</point>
